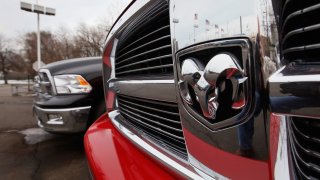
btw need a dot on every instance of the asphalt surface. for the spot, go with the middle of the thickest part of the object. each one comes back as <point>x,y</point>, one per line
<point>28,152</point>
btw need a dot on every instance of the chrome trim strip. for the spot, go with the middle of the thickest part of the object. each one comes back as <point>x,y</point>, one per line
<point>45,83</point>
<point>279,77</point>
<point>39,122</point>
<point>203,168</point>
<point>56,121</point>
<point>281,170</point>
<point>147,81</point>
<point>63,109</point>
<point>53,85</point>
<point>292,91</point>
<point>112,58</point>
<point>295,78</point>
<point>157,89</point>
<point>296,115</point>
<point>153,151</point>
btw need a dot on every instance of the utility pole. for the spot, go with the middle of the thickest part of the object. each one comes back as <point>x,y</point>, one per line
<point>36,8</point>
<point>38,41</point>
<point>240,25</point>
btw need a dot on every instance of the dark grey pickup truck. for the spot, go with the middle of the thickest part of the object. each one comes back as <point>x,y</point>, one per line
<point>69,95</point>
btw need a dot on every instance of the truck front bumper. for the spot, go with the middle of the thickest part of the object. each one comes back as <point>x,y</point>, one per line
<point>65,120</point>
<point>110,155</point>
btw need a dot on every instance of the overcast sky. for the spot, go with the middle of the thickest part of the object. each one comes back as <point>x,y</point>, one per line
<point>69,14</point>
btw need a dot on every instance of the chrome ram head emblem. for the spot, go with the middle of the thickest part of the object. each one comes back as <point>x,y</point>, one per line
<point>208,82</point>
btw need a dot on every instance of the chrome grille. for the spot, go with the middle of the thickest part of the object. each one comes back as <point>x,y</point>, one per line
<point>159,120</point>
<point>304,138</point>
<point>300,42</point>
<point>43,84</point>
<point>300,28</point>
<point>144,45</point>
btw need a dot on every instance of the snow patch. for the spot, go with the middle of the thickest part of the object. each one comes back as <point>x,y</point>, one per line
<point>36,135</point>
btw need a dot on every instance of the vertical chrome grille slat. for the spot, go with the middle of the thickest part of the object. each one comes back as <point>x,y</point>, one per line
<point>129,114</point>
<point>150,15</point>
<point>144,50</point>
<point>157,119</point>
<point>150,108</point>
<point>149,114</point>
<point>152,121</point>
<point>144,53</point>
<point>299,13</point>
<point>305,147</point>
<point>170,106</point>
<point>307,151</point>
<point>143,69</point>
<point>300,29</point>
<point>145,44</point>
<point>153,32</point>
<point>316,140</point>
<point>146,60</point>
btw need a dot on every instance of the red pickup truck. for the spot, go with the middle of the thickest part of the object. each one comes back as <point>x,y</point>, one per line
<point>210,90</point>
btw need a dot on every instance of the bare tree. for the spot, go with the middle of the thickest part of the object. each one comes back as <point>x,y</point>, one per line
<point>10,62</point>
<point>66,44</point>
<point>16,62</point>
<point>50,47</point>
<point>90,40</point>
<point>87,41</point>
<point>3,53</point>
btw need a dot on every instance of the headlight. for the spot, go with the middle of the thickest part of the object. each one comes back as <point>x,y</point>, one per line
<point>68,84</point>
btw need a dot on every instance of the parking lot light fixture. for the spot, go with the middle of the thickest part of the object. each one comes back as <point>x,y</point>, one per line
<point>36,8</point>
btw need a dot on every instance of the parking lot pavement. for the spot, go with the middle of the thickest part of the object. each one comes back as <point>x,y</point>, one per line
<point>28,152</point>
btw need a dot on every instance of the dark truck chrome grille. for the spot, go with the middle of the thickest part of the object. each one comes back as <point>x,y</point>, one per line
<point>43,84</point>
<point>159,120</point>
<point>304,138</point>
<point>144,51</point>
<point>144,46</point>
<point>300,42</point>
<point>300,28</point>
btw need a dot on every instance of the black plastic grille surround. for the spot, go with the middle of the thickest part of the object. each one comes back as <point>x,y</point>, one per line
<point>304,138</point>
<point>156,119</point>
<point>144,46</point>
<point>300,28</point>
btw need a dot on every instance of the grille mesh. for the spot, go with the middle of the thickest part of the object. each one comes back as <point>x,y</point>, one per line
<point>304,140</point>
<point>300,28</point>
<point>159,120</point>
<point>144,46</point>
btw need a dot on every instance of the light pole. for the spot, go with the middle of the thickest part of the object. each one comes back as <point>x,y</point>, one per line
<point>35,8</point>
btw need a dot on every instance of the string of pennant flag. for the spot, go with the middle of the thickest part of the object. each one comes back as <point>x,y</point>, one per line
<point>207,22</point>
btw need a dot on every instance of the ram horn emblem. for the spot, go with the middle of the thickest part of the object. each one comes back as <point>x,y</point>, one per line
<point>208,82</point>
